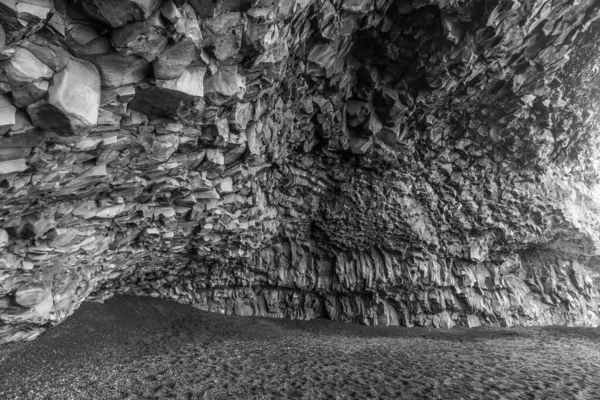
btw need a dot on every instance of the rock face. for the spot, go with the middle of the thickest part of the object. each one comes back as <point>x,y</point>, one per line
<point>426,163</point>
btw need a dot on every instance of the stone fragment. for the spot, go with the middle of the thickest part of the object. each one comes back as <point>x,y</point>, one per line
<point>13,165</point>
<point>224,84</point>
<point>190,82</point>
<point>43,308</point>
<point>163,147</point>
<point>30,295</point>
<point>209,9</point>
<point>23,68</point>
<point>216,134</point>
<point>146,39</point>
<point>117,13</point>
<point>223,34</point>
<point>7,111</point>
<point>72,102</point>
<point>117,70</point>
<point>25,95</point>
<point>225,185</point>
<point>3,238</point>
<point>172,62</point>
<point>51,52</point>
<point>159,101</point>
<point>2,38</point>
<point>323,54</point>
<point>240,116</point>
<point>22,124</point>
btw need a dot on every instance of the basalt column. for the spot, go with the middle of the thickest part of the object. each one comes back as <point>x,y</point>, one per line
<point>414,163</point>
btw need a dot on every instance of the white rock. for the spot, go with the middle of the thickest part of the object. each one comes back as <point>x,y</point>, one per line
<point>190,82</point>
<point>23,68</point>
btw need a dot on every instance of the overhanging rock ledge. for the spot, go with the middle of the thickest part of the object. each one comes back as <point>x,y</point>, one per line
<point>414,163</point>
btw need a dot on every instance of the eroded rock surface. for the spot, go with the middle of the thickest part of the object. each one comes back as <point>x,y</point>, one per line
<point>425,163</point>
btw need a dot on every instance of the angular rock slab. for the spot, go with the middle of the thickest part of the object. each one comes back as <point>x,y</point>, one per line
<point>72,102</point>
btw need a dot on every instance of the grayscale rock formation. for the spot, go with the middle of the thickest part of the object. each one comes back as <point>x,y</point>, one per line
<point>385,162</point>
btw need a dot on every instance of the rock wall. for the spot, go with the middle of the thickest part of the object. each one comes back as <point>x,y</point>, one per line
<point>422,162</point>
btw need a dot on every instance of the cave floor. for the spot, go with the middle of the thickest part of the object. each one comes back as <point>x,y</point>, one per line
<point>144,348</point>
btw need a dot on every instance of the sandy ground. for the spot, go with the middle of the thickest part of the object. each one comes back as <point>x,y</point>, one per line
<point>143,348</point>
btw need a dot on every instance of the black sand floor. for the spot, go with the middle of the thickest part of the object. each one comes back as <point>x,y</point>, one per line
<point>143,348</point>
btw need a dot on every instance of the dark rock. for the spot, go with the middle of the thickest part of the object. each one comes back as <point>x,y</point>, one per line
<point>146,39</point>
<point>414,163</point>
<point>173,61</point>
<point>158,101</point>
<point>117,13</point>
<point>117,70</point>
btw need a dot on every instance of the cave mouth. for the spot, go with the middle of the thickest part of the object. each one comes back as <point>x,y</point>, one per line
<point>389,163</point>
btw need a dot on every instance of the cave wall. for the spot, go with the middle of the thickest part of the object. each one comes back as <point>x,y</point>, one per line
<point>414,163</point>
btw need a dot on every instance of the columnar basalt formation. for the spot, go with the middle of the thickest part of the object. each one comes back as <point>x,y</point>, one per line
<point>421,162</point>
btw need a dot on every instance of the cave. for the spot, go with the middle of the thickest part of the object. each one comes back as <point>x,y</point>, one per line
<point>412,163</point>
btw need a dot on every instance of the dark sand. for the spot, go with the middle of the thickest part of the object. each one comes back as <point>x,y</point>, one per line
<point>143,348</point>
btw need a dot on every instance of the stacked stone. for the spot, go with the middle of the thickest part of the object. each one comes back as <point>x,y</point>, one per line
<point>387,163</point>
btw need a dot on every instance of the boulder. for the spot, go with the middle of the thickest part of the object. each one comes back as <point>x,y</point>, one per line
<point>49,51</point>
<point>30,295</point>
<point>15,165</point>
<point>224,34</point>
<point>224,84</point>
<point>159,101</point>
<point>146,39</point>
<point>240,116</point>
<point>117,70</point>
<point>173,61</point>
<point>23,68</point>
<point>72,102</point>
<point>190,82</point>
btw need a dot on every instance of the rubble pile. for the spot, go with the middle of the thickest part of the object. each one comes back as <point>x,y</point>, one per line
<point>414,163</point>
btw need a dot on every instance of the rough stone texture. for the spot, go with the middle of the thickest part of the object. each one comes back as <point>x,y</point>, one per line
<point>427,163</point>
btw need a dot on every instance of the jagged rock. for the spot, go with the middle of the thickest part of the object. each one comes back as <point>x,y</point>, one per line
<point>174,60</point>
<point>31,295</point>
<point>223,34</point>
<point>23,68</point>
<point>7,111</point>
<point>49,51</point>
<point>388,163</point>
<point>224,84</point>
<point>209,9</point>
<point>117,13</point>
<point>159,101</point>
<point>72,102</point>
<point>25,95</point>
<point>190,81</point>
<point>117,70</point>
<point>146,39</point>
